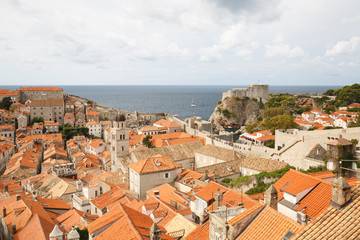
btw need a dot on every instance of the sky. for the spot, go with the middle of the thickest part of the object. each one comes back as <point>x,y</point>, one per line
<point>190,42</point>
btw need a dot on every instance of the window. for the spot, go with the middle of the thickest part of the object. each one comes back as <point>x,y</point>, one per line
<point>166,175</point>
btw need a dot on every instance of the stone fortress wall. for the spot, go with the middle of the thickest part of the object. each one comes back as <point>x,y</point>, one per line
<point>258,91</point>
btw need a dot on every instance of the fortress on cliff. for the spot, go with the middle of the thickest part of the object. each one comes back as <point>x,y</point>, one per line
<point>258,91</point>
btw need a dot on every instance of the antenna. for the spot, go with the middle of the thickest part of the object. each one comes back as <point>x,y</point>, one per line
<point>212,205</point>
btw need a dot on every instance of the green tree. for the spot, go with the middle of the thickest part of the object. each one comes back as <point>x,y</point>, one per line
<point>226,113</point>
<point>270,143</point>
<point>356,122</point>
<point>147,141</point>
<point>6,103</point>
<point>252,126</point>
<point>280,122</point>
<point>70,132</point>
<point>280,100</point>
<point>37,120</point>
<point>274,111</point>
<point>84,233</point>
<point>345,95</point>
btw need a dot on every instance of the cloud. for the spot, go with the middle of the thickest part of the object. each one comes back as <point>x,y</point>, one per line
<point>211,54</point>
<point>355,19</point>
<point>350,64</point>
<point>157,46</point>
<point>343,47</point>
<point>258,10</point>
<point>244,53</point>
<point>284,50</point>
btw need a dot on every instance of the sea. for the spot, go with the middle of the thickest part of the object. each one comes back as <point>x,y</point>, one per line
<point>171,99</point>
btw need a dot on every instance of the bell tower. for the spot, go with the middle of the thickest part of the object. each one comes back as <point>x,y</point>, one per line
<point>119,140</point>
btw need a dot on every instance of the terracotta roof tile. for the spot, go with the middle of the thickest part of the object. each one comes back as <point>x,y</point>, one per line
<point>166,123</point>
<point>154,164</point>
<point>109,197</point>
<point>269,224</point>
<point>201,232</point>
<point>323,174</point>
<point>167,193</point>
<point>208,191</point>
<point>75,218</point>
<point>334,223</point>
<point>127,223</point>
<point>294,182</point>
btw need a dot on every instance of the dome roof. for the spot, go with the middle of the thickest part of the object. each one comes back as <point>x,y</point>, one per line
<point>120,118</point>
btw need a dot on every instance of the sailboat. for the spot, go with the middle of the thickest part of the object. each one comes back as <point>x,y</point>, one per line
<point>193,103</point>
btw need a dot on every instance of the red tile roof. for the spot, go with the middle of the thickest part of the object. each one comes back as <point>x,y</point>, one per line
<point>201,232</point>
<point>294,182</point>
<point>109,197</point>
<point>269,224</point>
<point>323,174</point>
<point>208,191</point>
<point>167,193</point>
<point>127,224</point>
<point>167,123</point>
<point>154,164</point>
<point>76,218</point>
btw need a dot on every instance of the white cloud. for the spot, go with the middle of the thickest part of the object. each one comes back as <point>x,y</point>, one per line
<point>350,64</point>
<point>244,53</point>
<point>283,50</point>
<point>344,47</point>
<point>210,54</point>
<point>163,37</point>
<point>355,19</point>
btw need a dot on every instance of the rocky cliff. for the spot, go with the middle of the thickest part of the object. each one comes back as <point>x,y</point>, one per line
<point>236,112</point>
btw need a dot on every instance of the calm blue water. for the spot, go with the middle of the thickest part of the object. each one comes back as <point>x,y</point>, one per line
<point>170,99</point>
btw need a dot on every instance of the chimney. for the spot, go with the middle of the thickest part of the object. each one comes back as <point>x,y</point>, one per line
<point>18,197</point>
<point>5,188</point>
<point>157,193</point>
<point>218,199</point>
<point>193,167</point>
<point>340,193</point>
<point>155,232</point>
<point>79,185</point>
<point>4,211</point>
<point>13,228</point>
<point>271,197</point>
<point>206,177</point>
<point>123,179</point>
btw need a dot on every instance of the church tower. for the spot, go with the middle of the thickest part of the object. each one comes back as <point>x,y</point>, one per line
<point>119,140</point>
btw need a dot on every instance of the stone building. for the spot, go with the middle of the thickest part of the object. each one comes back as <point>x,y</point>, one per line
<point>69,119</point>
<point>152,172</point>
<point>8,119</point>
<point>119,140</point>
<point>7,131</point>
<point>40,93</point>
<point>80,122</point>
<point>339,149</point>
<point>14,95</point>
<point>22,121</point>
<point>94,128</point>
<point>258,91</point>
<point>49,109</point>
<point>51,126</point>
